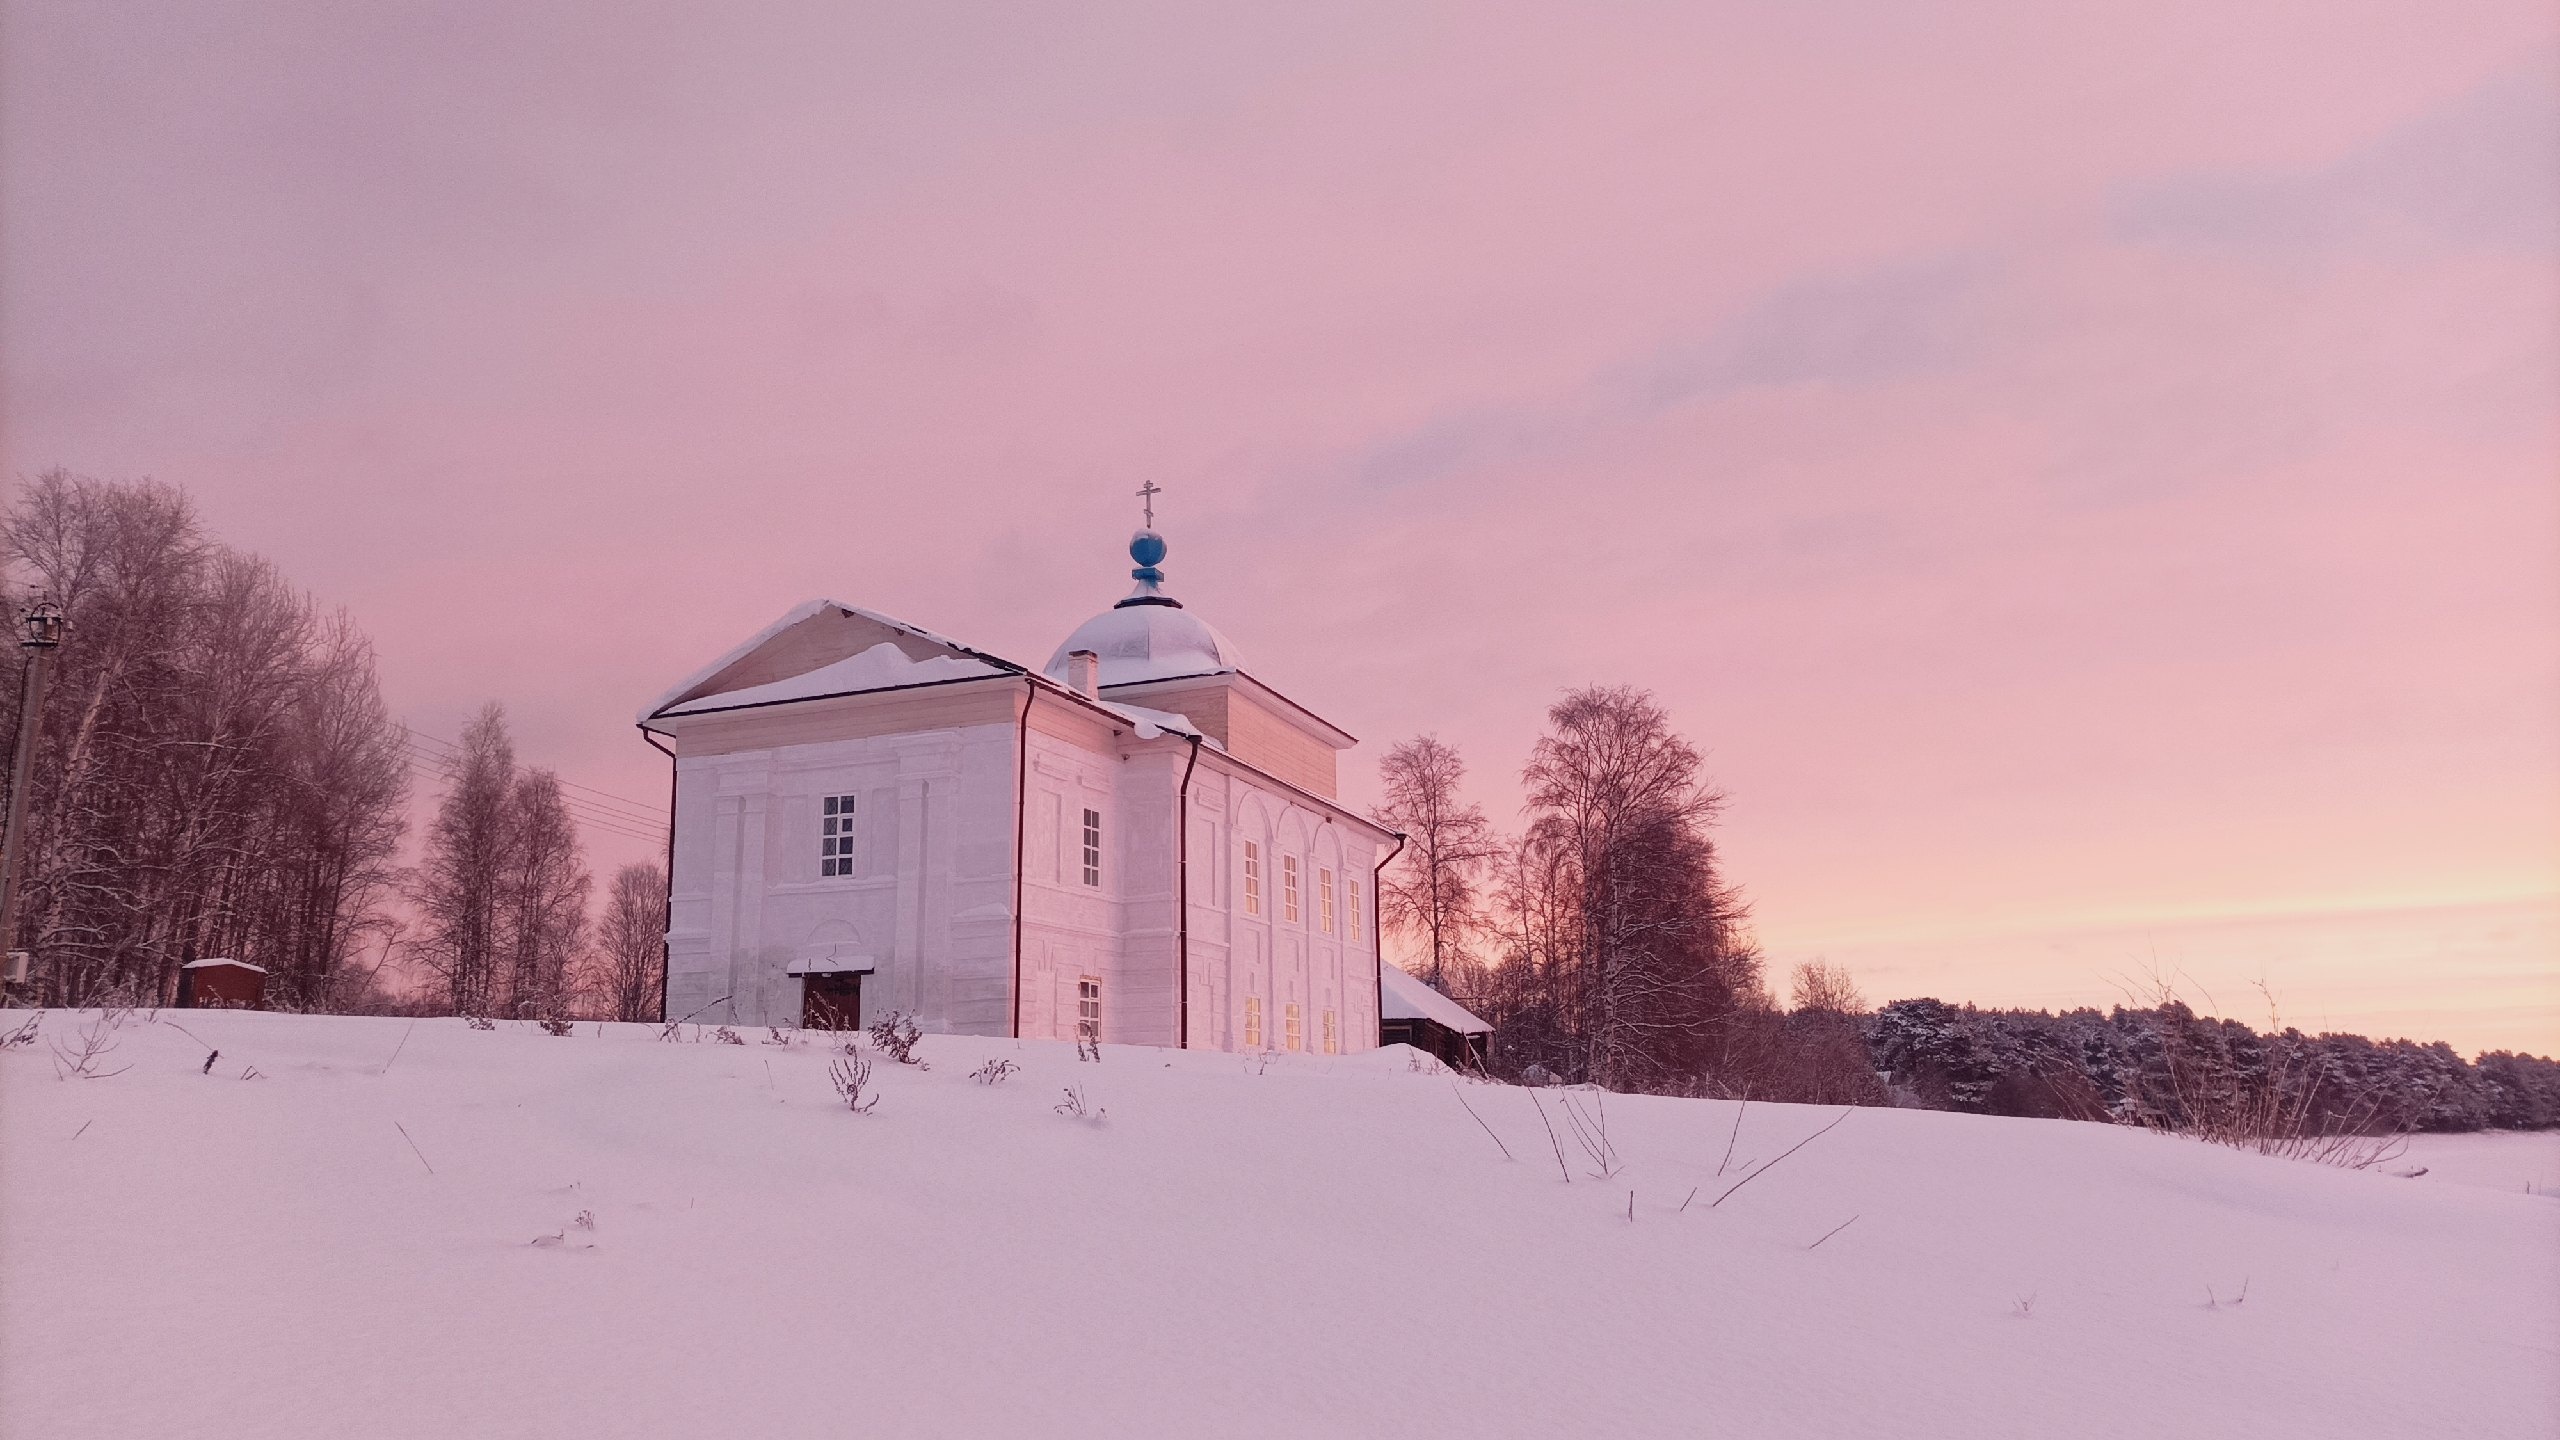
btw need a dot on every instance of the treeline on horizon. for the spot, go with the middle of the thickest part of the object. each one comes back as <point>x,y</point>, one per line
<point>217,776</point>
<point>1605,946</point>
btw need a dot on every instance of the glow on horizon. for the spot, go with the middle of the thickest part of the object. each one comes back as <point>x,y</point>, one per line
<point>2075,473</point>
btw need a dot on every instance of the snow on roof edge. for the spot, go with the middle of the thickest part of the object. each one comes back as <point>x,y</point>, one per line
<point>882,667</point>
<point>794,616</point>
<point>1408,998</point>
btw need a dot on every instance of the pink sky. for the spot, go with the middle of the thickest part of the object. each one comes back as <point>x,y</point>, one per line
<point>2088,475</point>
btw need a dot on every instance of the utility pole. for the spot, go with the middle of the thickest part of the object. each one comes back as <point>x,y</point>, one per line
<point>44,634</point>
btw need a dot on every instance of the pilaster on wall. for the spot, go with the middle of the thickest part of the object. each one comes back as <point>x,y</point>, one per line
<point>747,978</point>
<point>914,808</point>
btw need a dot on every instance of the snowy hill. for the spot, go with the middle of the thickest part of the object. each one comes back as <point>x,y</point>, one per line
<point>379,1235</point>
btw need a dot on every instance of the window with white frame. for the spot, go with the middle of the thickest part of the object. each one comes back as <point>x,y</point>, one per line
<point>1295,1036</point>
<point>1093,847</point>
<point>1253,1022</point>
<point>1252,882</point>
<point>835,836</point>
<point>1289,888</point>
<point>1332,1036</point>
<point>1324,899</point>
<point>1089,1008</point>
<point>1354,898</point>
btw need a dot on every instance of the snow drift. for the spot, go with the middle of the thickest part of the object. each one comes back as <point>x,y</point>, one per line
<point>416,1229</point>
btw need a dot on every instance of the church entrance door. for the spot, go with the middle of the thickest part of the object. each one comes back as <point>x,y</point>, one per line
<point>831,1002</point>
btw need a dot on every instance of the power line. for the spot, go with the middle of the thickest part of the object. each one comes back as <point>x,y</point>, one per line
<point>642,806</point>
<point>616,809</point>
<point>453,750</point>
<point>426,767</point>
<point>622,817</point>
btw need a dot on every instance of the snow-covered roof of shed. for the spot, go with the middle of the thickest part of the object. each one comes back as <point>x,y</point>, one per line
<point>1407,998</point>
<point>234,964</point>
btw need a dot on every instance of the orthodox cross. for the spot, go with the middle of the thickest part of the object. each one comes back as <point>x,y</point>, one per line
<point>1147,494</point>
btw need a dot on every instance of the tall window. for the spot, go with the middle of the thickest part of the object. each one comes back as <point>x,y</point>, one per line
<point>1253,1022</point>
<point>1332,1037</point>
<point>1093,847</point>
<point>1253,891</point>
<point>1297,1027</point>
<point>835,836</point>
<point>1289,888</point>
<point>1324,899</point>
<point>1355,905</point>
<point>1089,1006</point>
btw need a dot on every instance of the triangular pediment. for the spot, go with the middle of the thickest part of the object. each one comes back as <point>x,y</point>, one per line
<point>824,648</point>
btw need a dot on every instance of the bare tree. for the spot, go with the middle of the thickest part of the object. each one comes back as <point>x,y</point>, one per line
<point>216,772</point>
<point>1824,988</point>
<point>1434,889</point>
<point>1626,949</point>
<point>543,896</point>
<point>631,948</point>
<point>459,889</point>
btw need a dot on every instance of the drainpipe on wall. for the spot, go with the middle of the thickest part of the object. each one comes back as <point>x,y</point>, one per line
<point>667,917</point>
<point>1021,813</point>
<point>1182,900</point>
<point>1378,938</point>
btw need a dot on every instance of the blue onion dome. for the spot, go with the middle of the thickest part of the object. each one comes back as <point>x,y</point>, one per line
<point>1148,549</point>
<point>1148,636</point>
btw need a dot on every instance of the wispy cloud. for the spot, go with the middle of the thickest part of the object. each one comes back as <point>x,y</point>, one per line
<point>2480,173</point>
<point>1898,320</point>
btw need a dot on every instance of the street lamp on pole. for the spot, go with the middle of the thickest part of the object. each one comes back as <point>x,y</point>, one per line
<point>44,626</point>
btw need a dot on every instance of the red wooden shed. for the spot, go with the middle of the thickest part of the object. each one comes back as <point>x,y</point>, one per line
<point>221,985</point>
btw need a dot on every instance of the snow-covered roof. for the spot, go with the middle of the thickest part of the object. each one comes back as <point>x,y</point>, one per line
<point>1150,723</point>
<point>234,964</point>
<point>685,692</point>
<point>1150,641</point>
<point>882,667</point>
<point>1409,999</point>
<point>1148,636</point>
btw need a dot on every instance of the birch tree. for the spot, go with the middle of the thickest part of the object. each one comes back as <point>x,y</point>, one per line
<point>459,888</point>
<point>1433,890</point>
<point>501,895</point>
<point>1628,946</point>
<point>543,896</point>
<point>631,943</point>
<point>215,771</point>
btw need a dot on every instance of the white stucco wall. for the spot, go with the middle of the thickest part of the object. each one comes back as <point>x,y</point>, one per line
<point>1238,954</point>
<point>930,904</point>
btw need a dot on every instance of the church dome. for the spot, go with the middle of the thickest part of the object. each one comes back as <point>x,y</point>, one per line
<point>1148,636</point>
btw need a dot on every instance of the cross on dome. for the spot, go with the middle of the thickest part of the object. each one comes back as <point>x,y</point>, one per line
<point>1148,636</point>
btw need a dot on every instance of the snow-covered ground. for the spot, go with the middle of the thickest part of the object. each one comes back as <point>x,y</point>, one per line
<point>378,1236</point>
<point>2526,1163</point>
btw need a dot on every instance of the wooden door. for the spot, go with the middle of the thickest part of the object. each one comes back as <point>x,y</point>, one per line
<point>831,1002</point>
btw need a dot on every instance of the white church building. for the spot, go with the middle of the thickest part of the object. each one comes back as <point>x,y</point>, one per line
<point>1138,841</point>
